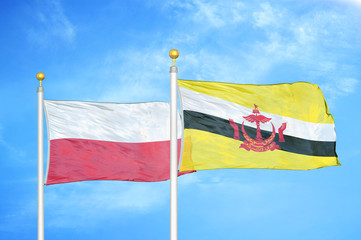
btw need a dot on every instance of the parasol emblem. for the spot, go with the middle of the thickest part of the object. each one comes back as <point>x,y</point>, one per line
<point>259,144</point>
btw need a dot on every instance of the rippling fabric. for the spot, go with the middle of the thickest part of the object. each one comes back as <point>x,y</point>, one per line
<point>282,126</point>
<point>108,141</point>
<point>136,122</point>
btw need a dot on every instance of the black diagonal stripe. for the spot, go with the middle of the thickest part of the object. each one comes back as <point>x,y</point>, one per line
<point>209,123</point>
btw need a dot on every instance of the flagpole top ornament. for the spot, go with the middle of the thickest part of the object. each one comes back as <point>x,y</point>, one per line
<point>40,76</point>
<point>173,54</point>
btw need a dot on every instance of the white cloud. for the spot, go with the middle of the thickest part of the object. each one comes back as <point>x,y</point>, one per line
<point>207,65</point>
<point>343,86</point>
<point>18,220</point>
<point>230,197</point>
<point>348,85</point>
<point>268,16</point>
<point>306,41</point>
<point>52,24</point>
<point>353,2</point>
<point>14,151</point>
<point>132,76</point>
<point>304,34</point>
<point>310,41</point>
<point>85,204</point>
<point>214,14</point>
<point>283,37</point>
<point>339,87</point>
<point>218,15</point>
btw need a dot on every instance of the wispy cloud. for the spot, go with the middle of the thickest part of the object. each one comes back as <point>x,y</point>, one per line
<point>352,2</point>
<point>52,23</point>
<point>310,41</point>
<point>85,204</point>
<point>20,219</point>
<point>14,151</point>
<point>132,76</point>
<point>241,197</point>
<point>267,16</point>
<point>348,85</point>
<point>339,87</point>
<point>213,14</point>
<point>305,41</point>
<point>121,75</point>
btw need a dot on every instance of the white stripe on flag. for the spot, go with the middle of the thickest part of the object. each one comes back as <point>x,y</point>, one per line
<point>137,122</point>
<point>199,102</point>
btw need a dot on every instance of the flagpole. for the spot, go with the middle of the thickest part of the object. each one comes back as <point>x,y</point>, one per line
<point>173,148</point>
<point>40,76</point>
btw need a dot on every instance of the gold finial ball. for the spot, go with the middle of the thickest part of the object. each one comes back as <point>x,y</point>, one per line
<point>173,53</point>
<point>40,76</point>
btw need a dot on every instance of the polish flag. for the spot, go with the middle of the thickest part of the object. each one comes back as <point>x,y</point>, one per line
<point>108,141</point>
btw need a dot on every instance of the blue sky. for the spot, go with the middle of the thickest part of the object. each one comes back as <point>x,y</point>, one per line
<point>118,51</point>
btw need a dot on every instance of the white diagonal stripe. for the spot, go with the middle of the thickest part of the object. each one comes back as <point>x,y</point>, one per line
<point>199,102</point>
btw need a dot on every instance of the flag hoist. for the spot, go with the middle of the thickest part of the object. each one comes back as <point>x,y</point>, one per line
<point>173,148</point>
<point>40,76</point>
<point>173,152</point>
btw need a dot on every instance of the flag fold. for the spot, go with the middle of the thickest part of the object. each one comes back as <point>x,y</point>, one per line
<point>281,126</point>
<point>108,141</point>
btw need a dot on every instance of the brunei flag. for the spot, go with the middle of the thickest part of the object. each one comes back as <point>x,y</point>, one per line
<point>281,126</point>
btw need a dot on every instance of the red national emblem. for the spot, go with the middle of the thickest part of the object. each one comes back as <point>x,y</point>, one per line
<point>258,144</point>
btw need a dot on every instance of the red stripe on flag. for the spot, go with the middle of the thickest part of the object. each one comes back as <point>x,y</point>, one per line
<point>73,160</point>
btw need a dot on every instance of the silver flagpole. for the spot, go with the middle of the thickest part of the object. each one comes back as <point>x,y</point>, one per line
<point>173,148</point>
<point>40,76</point>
